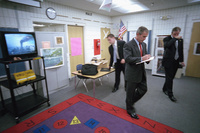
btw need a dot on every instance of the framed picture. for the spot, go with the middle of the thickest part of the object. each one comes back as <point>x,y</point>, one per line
<point>53,57</point>
<point>59,40</point>
<point>196,48</point>
<point>160,43</point>
<point>160,52</point>
<point>160,69</point>
<point>157,68</point>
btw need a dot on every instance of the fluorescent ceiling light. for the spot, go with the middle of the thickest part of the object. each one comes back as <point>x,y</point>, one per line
<point>38,25</point>
<point>28,2</point>
<point>192,1</point>
<point>124,6</point>
<point>127,6</point>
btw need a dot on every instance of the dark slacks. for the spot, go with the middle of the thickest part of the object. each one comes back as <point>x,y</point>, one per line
<point>170,72</point>
<point>118,69</point>
<point>134,92</point>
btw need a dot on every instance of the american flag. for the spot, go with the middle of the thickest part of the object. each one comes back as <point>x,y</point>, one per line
<point>122,30</point>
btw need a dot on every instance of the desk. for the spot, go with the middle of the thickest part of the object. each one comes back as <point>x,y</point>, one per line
<point>93,77</point>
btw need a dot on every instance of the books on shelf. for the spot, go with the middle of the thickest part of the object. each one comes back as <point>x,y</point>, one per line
<point>24,76</point>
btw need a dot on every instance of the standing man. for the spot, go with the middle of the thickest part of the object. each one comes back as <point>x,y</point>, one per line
<point>134,52</point>
<point>116,58</point>
<point>172,59</point>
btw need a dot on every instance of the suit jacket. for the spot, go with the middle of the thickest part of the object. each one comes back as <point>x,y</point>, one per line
<point>120,45</point>
<point>132,56</point>
<point>170,51</point>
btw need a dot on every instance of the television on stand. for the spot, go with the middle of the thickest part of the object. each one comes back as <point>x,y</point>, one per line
<point>18,44</point>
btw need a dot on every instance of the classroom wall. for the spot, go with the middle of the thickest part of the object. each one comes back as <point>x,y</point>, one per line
<point>14,15</point>
<point>182,17</point>
<point>22,17</point>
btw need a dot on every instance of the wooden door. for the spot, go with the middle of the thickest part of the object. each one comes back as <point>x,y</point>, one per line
<point>104,43</point>
<point>193,62</point>
<point>75,32</point>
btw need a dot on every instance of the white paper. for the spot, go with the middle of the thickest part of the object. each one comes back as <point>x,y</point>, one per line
<point>151,58</point>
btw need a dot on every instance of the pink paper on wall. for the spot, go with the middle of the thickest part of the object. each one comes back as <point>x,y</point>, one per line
<point>76,46</point>
<point>45,44</point>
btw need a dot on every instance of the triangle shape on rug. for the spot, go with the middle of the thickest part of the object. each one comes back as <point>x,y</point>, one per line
<point>75,121</point>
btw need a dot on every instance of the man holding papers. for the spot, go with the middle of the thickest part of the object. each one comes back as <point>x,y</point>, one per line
<point>135,52</point>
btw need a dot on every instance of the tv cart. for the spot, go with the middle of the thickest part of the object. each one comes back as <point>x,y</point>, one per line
<point>24,103</point>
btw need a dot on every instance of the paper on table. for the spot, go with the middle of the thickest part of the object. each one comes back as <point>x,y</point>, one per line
<point>151,58</point>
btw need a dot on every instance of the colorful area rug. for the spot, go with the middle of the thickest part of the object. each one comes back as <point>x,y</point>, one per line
<point>84,114</point>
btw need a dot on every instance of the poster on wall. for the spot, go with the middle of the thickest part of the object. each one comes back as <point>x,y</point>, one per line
<point>53,57</point>
<point>45,44</point>
<point>59,40</point>
<point>132,34</point>
<point>76,46</point>
<point>160,52</point>
<point>97,46</point>
<point>157,68</point>
<point>196,48</point>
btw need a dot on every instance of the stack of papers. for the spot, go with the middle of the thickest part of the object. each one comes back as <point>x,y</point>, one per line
<point>151,58</point>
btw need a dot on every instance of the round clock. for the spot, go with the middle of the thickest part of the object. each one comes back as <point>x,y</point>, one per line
<point>51,13</point>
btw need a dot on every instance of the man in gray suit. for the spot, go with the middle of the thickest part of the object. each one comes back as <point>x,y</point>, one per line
<point>134,52</point>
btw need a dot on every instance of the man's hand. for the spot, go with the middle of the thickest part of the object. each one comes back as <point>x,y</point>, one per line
<point>182,64</point>
<point>178,37</point>
<point>146,57</point>
<point>122,61</point>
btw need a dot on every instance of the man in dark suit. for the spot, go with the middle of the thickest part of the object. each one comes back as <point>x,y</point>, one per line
<point>172,59</point>
<point>116,58</point>
<point>135,52</point>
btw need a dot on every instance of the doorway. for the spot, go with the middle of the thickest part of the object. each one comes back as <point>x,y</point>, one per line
<point>104,43</point>
<point>75,37</point>
<point>193,62</point>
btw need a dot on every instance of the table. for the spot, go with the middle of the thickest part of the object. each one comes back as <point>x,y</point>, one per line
<point>93,77</point>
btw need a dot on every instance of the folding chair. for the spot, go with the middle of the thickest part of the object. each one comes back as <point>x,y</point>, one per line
<point>84,79</point>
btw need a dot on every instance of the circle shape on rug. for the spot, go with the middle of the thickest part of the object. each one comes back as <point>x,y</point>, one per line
<point>102,130</point>
<point>60,124</point>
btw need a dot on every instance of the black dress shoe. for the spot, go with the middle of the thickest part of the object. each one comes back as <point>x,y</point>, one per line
<point>172,98</point>
<point>134,115</point>
<point>114,90</point>
<point>166,93</point>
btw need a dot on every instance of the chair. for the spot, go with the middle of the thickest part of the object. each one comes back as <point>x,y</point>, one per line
<point>84,79</point>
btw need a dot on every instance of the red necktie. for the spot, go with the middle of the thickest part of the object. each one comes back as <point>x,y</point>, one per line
<point>140,49</point>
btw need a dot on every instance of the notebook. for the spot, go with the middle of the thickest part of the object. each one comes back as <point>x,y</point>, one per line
<point>105,69</point>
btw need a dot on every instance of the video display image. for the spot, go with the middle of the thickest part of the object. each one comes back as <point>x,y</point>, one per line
<point>19,44</point>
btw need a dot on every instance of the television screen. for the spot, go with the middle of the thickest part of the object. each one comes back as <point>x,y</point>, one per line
<point>20,43</point>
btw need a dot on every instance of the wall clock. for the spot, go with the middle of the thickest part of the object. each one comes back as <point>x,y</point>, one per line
<point>51,13</point>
